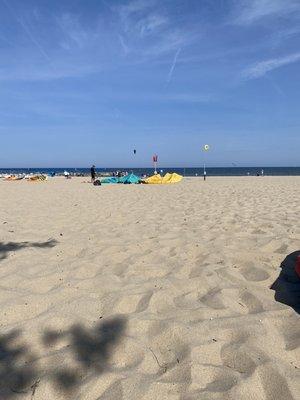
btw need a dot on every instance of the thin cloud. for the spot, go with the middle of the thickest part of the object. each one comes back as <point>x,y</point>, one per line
<point>74,33</point>
<point>261,68</point>
<point>152,24</point>
<point>173,66</point>
<point>124,46</point>
<point>284,35</point>
<point>166,43</point>
<point>125,10</point>
<point>251,11</point>
<point>40,72</point>
<point>27,31</point>
<point>128,12</point>
<point>149,31</point>
<point>163,97</point>
<point>188,98</point>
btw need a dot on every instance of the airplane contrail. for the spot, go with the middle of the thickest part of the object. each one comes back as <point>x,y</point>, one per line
<point>173,66</point>
<point>27,31</point>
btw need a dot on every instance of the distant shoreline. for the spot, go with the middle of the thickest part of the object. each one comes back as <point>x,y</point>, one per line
<point>188,171</point>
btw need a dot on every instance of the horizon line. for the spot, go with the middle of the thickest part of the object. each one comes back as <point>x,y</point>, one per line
<point>161,167</point>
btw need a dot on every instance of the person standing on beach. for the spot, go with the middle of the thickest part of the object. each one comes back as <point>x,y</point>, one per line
<point>93,173</point>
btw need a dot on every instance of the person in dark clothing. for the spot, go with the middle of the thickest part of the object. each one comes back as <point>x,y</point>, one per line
<point>93,173</point>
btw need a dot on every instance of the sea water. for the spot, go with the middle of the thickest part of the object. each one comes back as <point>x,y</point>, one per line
<point>211,171</point>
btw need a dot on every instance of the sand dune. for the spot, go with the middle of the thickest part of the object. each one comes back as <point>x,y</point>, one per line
<point>149,292</point>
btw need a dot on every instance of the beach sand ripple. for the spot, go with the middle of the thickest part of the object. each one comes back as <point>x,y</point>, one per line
<point>150,292</point>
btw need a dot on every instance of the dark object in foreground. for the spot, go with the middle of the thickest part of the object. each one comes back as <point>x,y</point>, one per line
<point>297,267</point>
<point>93,173</point>
<point>97,182</point>
<point>287,285</point>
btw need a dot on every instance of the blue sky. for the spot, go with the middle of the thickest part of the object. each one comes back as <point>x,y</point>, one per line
<point>88,81</point>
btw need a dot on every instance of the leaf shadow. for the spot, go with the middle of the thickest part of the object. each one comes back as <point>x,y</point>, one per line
<point>89,349</point>
<point>7,247</point>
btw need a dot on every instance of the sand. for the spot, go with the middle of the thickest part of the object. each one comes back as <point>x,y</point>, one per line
<point>148,292</point>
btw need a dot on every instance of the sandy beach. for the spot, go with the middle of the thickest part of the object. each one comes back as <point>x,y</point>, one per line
<point>144,292</point>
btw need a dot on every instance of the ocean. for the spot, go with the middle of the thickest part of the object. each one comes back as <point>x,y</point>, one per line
<point>211,171</point>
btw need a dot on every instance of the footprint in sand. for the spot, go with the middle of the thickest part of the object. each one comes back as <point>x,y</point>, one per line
<point>173,252</point>
<point>282,249</point>
<point>223,383</point>
<point>254,274</point>
<point>134,303</point>
<point>198,271</point>
<point>187,301</point>
<point>258,231</point>
<point>251,302</point>
<point>290,330</point>
<point>143,304</point>
<point>235,356</point>
<point>274,384</point>
<point>239,356</point>
<point>213,299</point>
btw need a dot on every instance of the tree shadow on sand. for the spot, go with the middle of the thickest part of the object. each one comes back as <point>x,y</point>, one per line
<point>6,248</point>
<point>287,285</point>
<point>89,350</point>
<point>17,366</point>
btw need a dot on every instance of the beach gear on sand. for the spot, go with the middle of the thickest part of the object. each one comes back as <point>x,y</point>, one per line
<point>172,178</point>
<point>37,178</point>
<point>127,179</point>
<point>14,178</point>
<point>154,179</point>
<point>131,178</point>
<point>159,180</point>
<point>110,179</point>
